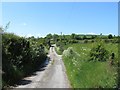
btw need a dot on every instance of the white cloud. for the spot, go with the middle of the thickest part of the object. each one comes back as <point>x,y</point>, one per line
<point>35,35</point>
<point>29,35</point>
<point>38,35</point>
<point>91,33</point>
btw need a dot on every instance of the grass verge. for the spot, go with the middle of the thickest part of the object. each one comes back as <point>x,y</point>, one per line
<point>84,74</point>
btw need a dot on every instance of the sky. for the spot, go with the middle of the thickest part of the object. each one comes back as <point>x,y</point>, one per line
<point>41,18</point>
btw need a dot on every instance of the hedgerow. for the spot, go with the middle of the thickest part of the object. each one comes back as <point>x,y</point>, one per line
<point>20,57</point>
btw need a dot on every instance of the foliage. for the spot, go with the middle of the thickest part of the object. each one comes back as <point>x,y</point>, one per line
<point>55,38</point>
<point>49,36</point>
<point>59,47</point>
<point>85,41</point>
<point>85,74</point>
<point>98,53</point>
<point>73,35</point>
<point>110,36</point>
<point>84,37</point>
<point>20,57</point>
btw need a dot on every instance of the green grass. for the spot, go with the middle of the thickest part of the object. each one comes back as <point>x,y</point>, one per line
<point>84,74</point>
<point>57,49</point>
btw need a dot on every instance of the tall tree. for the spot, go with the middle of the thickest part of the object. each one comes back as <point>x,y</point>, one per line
<point>110,36</point>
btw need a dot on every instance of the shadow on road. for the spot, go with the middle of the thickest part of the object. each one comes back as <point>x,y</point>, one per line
<point>41,68</point>
<point>24,82</point>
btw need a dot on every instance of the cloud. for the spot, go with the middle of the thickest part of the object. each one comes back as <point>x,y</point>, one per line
<point>35,35</point>
<point>29,35</point>
<point>91,33</point>
<point>38,35</point>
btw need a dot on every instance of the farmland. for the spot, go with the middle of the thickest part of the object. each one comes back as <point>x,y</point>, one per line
<point>87,58</point>
<point>85,74</point>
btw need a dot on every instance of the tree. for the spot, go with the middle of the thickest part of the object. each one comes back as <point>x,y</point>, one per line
<point>49,36</point>
<point>73,35</point>
<point>110,36</point>
<point>84,37</point>
<point>92,37</point>
<point>77,37</point>
<point>55,37</point>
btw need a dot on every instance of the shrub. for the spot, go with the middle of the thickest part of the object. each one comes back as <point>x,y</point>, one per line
<point>98,53</point>
<point>73,41</point>
<point>20,57</point>
<point>92,41</point>
<point>68,52</point>
<point>85,41</point>
<point>84,74</point>
<point>115,41</point>
<point>106,41</point>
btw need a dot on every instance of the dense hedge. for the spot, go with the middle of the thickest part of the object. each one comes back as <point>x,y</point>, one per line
<point>20,57</point>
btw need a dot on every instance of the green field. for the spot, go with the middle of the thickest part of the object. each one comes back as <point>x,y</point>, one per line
<point>85,74</point>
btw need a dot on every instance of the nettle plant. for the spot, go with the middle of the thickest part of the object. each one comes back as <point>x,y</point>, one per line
<point>98,52</point>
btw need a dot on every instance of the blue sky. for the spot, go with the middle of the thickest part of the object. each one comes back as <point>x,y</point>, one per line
<point>40,19</point>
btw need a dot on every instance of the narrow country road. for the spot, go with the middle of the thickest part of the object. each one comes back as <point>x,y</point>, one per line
<point>51,76</point>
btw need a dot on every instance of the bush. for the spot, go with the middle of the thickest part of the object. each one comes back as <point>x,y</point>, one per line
<point>115,41</point>
<point>85,41</point>
<point>73,41</point>
<point>20,57</point>
<point>60,47</point>
<point>92,41</point>
<point>98,53</point>
<point>84,74</point>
